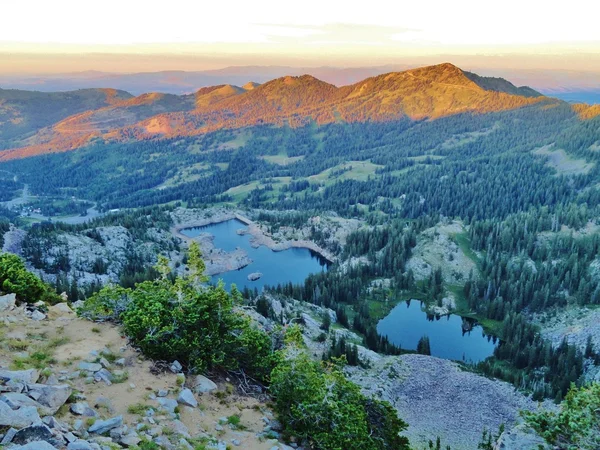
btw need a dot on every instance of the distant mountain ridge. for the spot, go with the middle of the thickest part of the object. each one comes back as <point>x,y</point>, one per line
<point>424,93</point>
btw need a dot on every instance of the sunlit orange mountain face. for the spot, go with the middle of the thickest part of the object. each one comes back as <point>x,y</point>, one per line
<point>33,123</point>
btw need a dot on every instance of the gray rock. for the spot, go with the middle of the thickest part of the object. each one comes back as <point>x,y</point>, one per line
<point>104,426</point>
<point>8,437</point>
<point>7,302</point>
<point>20,376</point>
<point>104,363</point>
<point>34,394</point>
<point>104,375</point>
<point>117,433</point>
<point>236,442</point>
<point>176,367</point>
<point>83,409</point>
<point>53,397</point>
<point>12,386</point>
<point>20,418</point>
<point>202,385</point>
<point>33,433</point>
<point>163,442</point>
<point>79,445</point>
<point>162,393</point>
<point>89,367</point>
<point>186,397</point>
<point>129,440</point>
<point>120,362</point>
<point>70,437</point>
<point>37,315</point>
<point>52,380</point>
<point>16,400</point>
<point>78,425</point>
<point>178,427</point>
<point>55,424</point>
<point>167,404</point>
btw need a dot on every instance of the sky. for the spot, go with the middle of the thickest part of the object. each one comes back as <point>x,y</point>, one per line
<point>46,36</point>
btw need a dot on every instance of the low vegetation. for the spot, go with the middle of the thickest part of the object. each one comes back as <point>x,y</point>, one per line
<point>576,426</point>
<point>15,278</point>
<point>203,327</point>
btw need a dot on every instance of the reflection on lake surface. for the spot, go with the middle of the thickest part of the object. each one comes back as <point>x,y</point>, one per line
<point>292,265</point>
<point>450,337</point>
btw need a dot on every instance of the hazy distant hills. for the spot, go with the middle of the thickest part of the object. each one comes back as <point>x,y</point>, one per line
<point>180,82</point>
<point>568,85</point>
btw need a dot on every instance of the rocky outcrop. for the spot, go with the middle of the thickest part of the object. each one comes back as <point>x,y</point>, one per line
<point>255,276</point>
<point>437,396</point>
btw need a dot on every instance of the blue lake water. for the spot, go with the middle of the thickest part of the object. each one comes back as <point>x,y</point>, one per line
<point>292,265</point>
<point>407,323</point>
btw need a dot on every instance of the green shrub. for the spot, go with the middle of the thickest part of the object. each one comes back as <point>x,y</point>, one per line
<point>195,324</point>
<point>107,304</point>
<point>15,278</point>
<point>316,402</point>
<point>576,426</point>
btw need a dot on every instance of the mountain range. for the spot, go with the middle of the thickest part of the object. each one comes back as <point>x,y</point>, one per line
<point>33,123</point>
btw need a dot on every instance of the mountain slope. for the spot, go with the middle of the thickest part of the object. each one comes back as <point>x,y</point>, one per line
<point>501,85</point>
<point>23,112</point>
<point>424,93</point>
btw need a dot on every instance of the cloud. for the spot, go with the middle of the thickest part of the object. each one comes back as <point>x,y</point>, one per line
<point>332,33</point>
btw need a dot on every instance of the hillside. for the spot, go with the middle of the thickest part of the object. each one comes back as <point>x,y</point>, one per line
<point>25,112</point>
<point>431,188</point>
<point>425,93</point>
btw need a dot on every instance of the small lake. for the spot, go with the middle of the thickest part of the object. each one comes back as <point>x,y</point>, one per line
<point>407,323</point>
<point>292,265</point>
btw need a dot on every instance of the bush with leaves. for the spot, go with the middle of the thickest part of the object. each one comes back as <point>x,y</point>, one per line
<point>15,278</point>
<point>107,304</point>
<point>576,426</point>
<point>195,324</point>
<point>316,402</point>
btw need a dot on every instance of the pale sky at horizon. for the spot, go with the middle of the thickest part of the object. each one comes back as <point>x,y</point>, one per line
<point>80,34</point>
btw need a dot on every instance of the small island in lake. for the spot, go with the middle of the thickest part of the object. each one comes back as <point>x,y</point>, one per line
<point>254,276</point>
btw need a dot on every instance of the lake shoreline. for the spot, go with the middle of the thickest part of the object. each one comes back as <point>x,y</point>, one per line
<point>258,236</point>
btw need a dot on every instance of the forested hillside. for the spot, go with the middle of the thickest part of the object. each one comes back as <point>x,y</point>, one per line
<point>506,179</point>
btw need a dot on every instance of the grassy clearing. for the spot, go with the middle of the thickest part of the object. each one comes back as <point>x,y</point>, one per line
<point>187,175</point>
<point>464,243</point>
<point>563,163</point>
<point>352,170</point>
<point>240,140</point>
<point>240,192</point>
